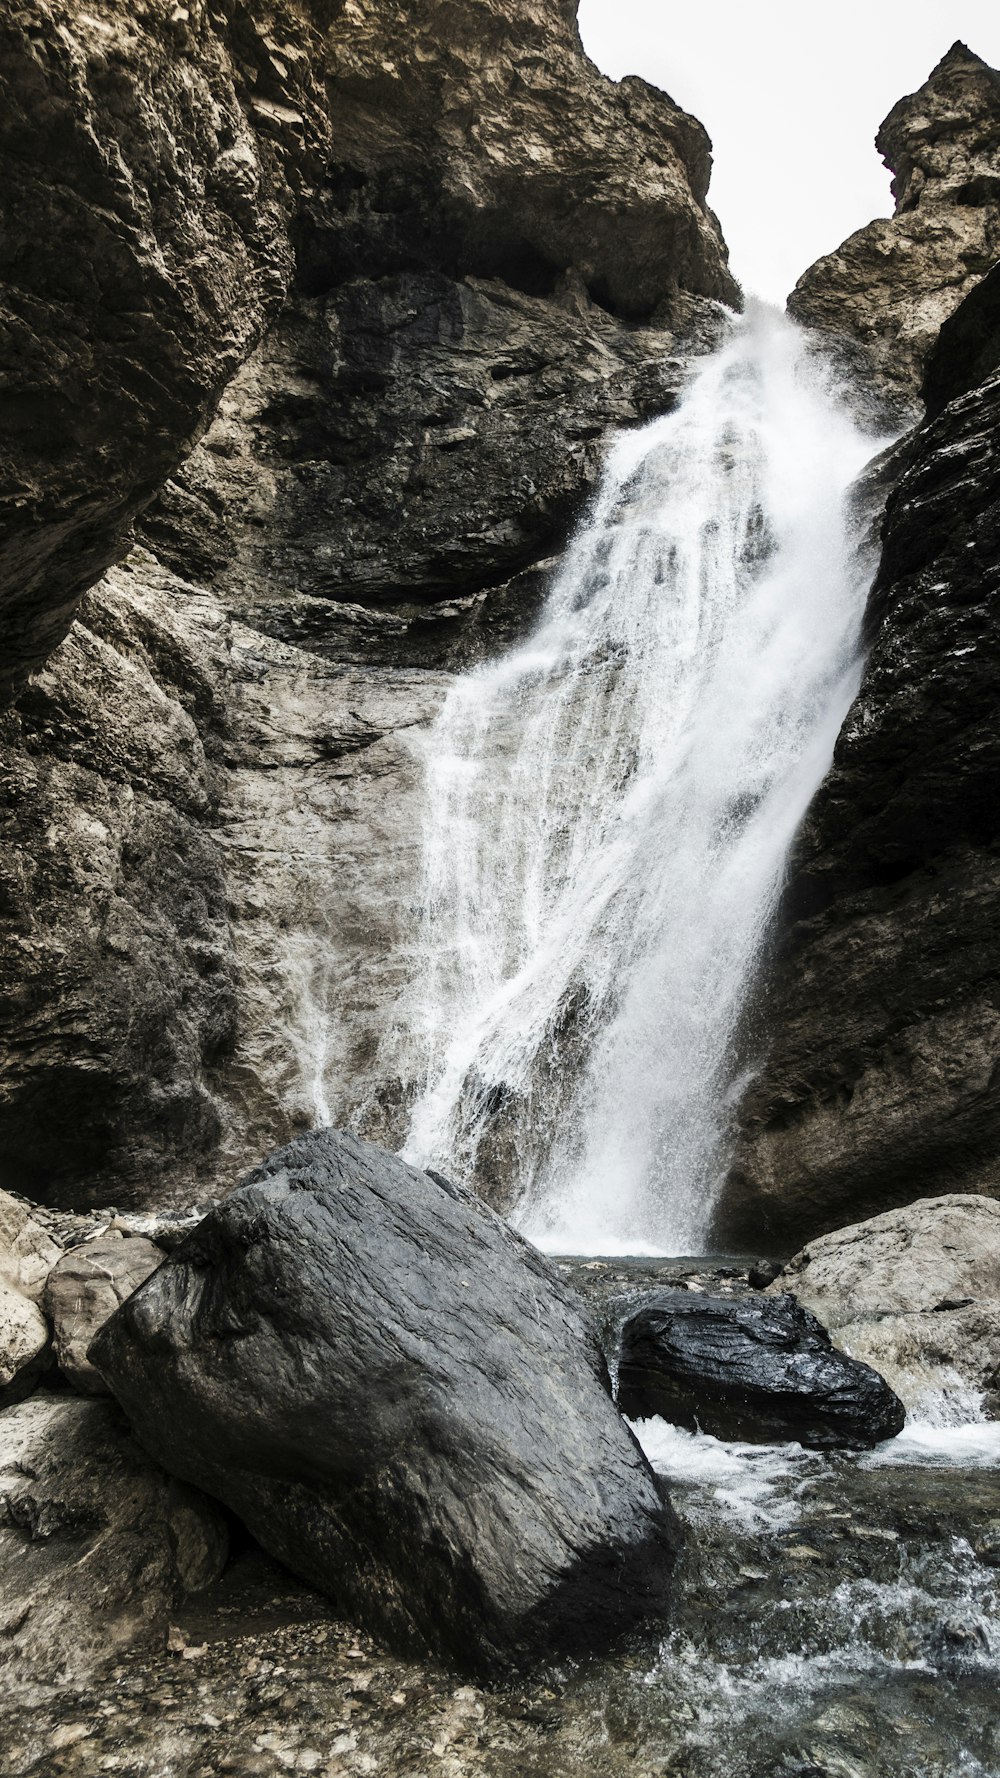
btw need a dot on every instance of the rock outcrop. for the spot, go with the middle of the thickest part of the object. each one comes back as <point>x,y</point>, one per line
<point>489,258</point>
<point>754,1370</point>
<point>880,1013</point>
<point>893,283</point>
<point>404,1403</point>
<point>148,161</point>
<point>96,1543</point>
<point>916,1293</point>
<point>25,1350</point>
<point>84,1289</point>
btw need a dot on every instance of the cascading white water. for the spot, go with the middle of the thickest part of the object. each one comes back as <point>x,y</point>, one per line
<point>609,809</point>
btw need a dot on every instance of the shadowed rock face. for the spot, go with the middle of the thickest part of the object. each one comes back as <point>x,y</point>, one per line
<point>488,255</point>
<point>879,1077</point>
<point>147,186</point>
<point>760,1371</point>
<point>404,1403</point>
<point>892,284</point>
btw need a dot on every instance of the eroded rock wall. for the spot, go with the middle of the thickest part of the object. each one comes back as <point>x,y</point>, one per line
<point>891,285</point>
<point>446,258</point>
<point>877,1032</point>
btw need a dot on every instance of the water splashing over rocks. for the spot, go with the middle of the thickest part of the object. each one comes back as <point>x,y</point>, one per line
<point>609,809</point>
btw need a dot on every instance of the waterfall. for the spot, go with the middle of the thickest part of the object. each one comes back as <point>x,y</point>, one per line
<point>609,809</point>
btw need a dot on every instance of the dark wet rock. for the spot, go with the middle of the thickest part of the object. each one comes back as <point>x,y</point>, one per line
<point>350,1354</point>
<point>877,1025</point>
<point>84,1288</point>
<point>97,1545</point>
<point>754,1370</point>
<point>891,285</point>
<point>764,1273</point>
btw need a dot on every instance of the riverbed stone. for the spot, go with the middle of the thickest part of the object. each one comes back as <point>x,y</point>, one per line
<point>404,1403</point>
<point>751,1369</point>
<point>915,1292</point>
<point>86,1286</point>
<point>97,1543</point>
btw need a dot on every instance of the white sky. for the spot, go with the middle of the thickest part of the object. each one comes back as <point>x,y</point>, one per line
<point>791,93</point>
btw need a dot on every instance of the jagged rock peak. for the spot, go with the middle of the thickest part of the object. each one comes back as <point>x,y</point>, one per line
<point>894,283</point>
<point>945,137</point>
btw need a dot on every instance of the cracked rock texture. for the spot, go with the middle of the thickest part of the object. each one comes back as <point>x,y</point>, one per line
<point>400,271</point>
<point>893,283</point>
<point>96,1544</point>
<point>882,1009</point>
<point>916,1293</point>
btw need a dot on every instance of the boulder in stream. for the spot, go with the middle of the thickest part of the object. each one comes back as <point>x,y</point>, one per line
<point>916,1292</point>
<point>404,1403</point>
<point>759,1370</point>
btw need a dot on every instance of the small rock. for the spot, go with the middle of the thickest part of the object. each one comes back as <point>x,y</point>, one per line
<point>27,1250</point>
<point>24,1344</point>
<point>87,1285</point>
<point>764,1273</point>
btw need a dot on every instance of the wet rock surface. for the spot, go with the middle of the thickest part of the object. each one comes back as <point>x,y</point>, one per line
<point>891,285</point>
<point>832,1615</point>
<point>754,1370</point>
<point>96,1543</point>
<point>915,1292</point>
<point>219,764</point>
<point>350,1354</point>
<point>878,1024</point>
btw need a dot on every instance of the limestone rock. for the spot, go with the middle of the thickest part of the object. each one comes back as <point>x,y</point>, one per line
<point>27,1250</point>
<point>210,815</point>
<point>349,1354</point>
<point>878,1027</point>
<point>96,1543</point>
<point>145,245</point>
<point>24,1344</point>
<point>892,284</point>
<point>915,1292</point>
<point>89,1284</point>
<point>754,1370</point>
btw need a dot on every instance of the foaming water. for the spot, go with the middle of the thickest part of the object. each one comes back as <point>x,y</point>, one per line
<point>609,809</point>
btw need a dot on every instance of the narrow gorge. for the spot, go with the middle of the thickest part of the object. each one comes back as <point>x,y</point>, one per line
<point>499,1158</point>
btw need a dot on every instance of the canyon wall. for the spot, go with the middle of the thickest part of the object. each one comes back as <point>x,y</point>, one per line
<point>318,315</point>
<point>879,1018</point>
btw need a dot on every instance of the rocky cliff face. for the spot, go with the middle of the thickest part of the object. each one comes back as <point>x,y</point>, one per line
<point>448,255</point>
<point>879,1024</point>
<point>892,284</point>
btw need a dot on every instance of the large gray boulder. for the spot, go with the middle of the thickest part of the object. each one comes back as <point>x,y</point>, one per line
<point>96,1543</point>
<point>404,1403</point>
<point>84,1288</point>
<point>916,1293</point>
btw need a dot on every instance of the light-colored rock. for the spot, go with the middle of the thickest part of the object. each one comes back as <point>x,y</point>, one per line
<point>96,1543</point>
<point>27,1250</point>
<point>893,283</point>
<point>916,1294</point>
<point>24,1343</point>
<point>89,1283</point>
